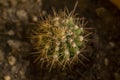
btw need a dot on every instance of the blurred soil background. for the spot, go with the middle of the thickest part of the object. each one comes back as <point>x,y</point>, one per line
<point>17,17</point>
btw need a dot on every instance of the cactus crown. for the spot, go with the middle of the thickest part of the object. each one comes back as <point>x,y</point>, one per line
<point>59,39</point>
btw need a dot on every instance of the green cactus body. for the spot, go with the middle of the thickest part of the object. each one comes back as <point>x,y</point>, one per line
<point>59,39</point>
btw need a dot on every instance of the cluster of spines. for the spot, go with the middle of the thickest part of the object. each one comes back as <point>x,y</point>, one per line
<point>59,39</point>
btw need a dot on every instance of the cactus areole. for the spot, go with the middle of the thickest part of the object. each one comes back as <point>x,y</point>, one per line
<point>59,39</point>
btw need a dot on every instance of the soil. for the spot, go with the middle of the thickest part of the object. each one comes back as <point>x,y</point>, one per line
<point>16,19</point>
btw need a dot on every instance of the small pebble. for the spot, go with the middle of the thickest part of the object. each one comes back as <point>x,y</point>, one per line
<point>11,60</point>
<point>112,44</point>
<point>106,61</point>
<point>7,77</point>
<point>104,14</point>
<point>10,33</point>
<point>100,11</point>
<point>22,15</point>
<point>14,44</point>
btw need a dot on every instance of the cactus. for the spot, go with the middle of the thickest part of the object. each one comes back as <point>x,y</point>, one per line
<point>59,39</point>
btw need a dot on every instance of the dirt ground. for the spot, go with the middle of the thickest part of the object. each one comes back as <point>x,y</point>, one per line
<point>16,19</point>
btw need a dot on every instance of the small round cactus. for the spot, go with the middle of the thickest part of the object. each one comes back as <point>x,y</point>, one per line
<point>59,39</point>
